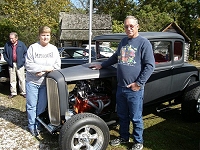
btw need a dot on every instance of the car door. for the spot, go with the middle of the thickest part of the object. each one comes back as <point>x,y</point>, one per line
<point>158,84</point>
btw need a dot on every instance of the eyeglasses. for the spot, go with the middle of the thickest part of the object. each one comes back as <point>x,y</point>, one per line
<point>130,26</point>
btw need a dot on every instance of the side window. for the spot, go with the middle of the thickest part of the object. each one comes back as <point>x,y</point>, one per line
<point>178,50</point>
<point>161,51</point>
<point>64,54</point>
<point>100,49</point>
<point>105,49</point>
<point>78,53</point>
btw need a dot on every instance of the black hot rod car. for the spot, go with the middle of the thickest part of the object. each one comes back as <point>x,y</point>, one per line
<point>81,101</point>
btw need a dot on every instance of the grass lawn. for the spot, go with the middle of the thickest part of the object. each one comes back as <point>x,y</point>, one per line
<point>163,131</point>
<point>166,131</point>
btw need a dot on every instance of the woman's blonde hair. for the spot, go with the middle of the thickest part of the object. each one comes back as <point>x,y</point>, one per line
<point>44,29</point>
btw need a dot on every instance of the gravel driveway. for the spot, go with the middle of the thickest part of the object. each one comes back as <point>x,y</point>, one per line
<point>13,127</point>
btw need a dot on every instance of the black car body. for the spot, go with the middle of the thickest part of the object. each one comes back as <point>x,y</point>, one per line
<point>81,101</point>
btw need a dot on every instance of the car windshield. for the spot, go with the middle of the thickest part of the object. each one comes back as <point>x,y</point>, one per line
<point>75,53</point>
<point>86,46</point>
<point>106,49</point>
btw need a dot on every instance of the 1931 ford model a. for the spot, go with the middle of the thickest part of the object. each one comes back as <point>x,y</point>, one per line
<point>81,101</point>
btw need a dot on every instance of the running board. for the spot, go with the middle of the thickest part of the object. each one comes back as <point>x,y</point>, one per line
<point>163,109</point>
<point>167,108</point>
<point>49,127</point>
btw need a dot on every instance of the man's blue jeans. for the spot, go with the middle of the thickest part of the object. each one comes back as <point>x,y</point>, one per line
<point>36,102</point>
<point>129,108</point>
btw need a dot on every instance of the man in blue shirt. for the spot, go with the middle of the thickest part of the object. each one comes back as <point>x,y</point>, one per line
<point>14,54</point>
<point>135,64</point>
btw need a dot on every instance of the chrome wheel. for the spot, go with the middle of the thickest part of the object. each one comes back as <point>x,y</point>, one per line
<point>88,137</point>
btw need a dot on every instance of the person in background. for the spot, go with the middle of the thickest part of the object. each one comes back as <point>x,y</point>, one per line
<point>14,54</point>
<point>42,58</point>
<point>135,64</point>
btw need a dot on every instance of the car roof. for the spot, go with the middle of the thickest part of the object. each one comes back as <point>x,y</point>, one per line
<point>148,35</point>
<point>60,49</point>
<point>85,45</point>
<point>70,48</point>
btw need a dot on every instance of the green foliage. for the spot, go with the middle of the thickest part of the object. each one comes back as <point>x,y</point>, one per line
<point>118,26</point>
<point>151,19</point>
<point>117,9</point>
<point>28,15</point>
<point>5,28</point>
<point>156,14</point>
<point>189,21</point>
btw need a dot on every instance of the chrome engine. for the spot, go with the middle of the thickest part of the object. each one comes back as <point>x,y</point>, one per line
<point>90,96</point>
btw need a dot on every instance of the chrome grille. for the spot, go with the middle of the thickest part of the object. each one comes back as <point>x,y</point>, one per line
<point>53,101</point>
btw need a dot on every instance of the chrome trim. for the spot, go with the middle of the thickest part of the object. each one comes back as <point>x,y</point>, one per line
<point>4,79</point>
<point>53,102</point>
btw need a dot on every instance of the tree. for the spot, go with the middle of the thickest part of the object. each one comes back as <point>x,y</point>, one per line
<point>6,27</point>
<point>118,26</point>
<point>152,19</point>
<point>28,15</point>
<point>184,12</point>
<point>189,21</point>
<point>118,10</point>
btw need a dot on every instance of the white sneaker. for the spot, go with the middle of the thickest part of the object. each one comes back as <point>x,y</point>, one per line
<point>137,146</point>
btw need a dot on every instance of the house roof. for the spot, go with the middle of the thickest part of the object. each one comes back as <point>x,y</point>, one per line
<point>173,27</point>
<point>76,26</point>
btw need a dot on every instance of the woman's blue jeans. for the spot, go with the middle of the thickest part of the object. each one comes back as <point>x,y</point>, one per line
<point>36,102</point>
<point>129,108</point>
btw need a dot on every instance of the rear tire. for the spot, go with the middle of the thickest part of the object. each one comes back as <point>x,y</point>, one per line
<point>191,103</point>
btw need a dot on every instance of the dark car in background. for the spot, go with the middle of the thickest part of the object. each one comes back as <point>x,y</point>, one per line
<point>1,53</point>
<point>72,56</point>
<point>4,73</point>
<point>104,50</point>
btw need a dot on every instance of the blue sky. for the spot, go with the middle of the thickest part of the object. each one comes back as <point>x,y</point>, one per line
<point>76,3</point>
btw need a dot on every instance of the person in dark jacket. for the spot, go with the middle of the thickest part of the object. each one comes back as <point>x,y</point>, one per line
<point>135,64</point>
<point>14,54</point>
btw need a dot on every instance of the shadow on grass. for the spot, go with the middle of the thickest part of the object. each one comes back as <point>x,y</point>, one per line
<point>5,88</point>
<point>165,130</point>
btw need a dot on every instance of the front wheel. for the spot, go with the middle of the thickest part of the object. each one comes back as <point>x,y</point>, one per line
<point>190,108</point>
<point>84,131</point>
